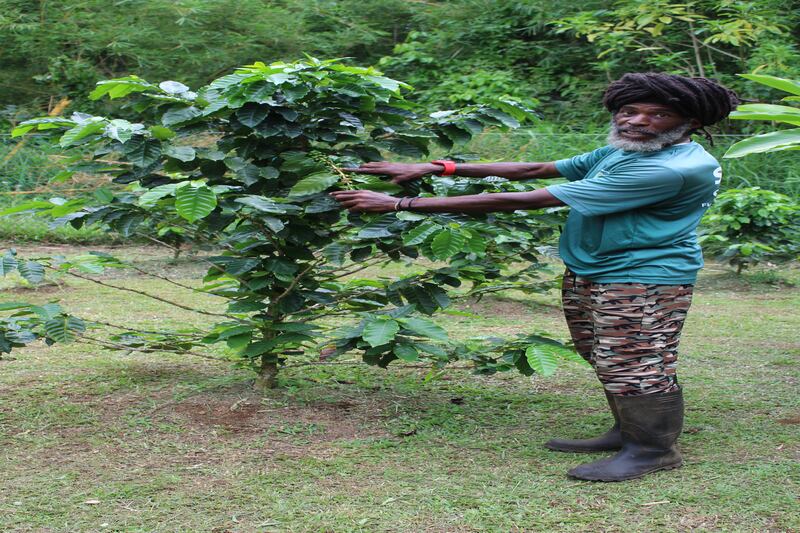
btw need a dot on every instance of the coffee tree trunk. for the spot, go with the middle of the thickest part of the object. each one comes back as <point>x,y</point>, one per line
<point>267,373</point>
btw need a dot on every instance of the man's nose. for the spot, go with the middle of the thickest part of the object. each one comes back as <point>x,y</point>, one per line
<point>639,119</point>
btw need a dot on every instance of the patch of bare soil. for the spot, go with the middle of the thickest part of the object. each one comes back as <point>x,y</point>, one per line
<point>48,288</point>
<point>494,307</point>
<point>248,414</point>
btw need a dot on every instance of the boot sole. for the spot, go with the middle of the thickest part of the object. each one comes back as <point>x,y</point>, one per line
<point>627,478</point>
<point>580,450</point>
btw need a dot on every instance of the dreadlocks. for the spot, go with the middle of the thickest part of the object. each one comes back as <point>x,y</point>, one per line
<point>700,98</point>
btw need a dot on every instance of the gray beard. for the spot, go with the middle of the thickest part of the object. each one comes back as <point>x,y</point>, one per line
<point>654,144</point>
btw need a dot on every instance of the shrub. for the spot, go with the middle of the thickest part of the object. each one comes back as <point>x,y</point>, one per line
<point>747,226</point>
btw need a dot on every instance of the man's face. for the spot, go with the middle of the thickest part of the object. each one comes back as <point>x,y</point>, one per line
<point>645,127</point>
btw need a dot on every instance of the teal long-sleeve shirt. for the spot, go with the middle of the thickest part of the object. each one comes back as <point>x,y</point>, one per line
<point>634,215</point>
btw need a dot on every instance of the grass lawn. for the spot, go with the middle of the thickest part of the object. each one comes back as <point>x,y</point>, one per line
<point>92,440</point>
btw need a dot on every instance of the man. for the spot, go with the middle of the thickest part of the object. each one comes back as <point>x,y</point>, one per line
<point>630,248</point>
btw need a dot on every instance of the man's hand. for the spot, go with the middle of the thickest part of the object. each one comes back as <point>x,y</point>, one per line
<point>399,172</point>
<point>365,201</point>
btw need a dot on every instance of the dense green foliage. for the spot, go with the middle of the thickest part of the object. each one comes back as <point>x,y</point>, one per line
<point>747,226</point>
<point>453,51</point>
<point>245,164</point>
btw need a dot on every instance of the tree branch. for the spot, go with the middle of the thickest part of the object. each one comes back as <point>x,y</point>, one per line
<point>154,297</point>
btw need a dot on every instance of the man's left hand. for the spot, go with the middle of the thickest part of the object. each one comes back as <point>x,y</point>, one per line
<point>365,201</point>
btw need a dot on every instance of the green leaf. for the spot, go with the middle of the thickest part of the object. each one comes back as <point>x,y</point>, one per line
<point>104,195</point>
<point>234,266</point>
<point>194,203</point>
<point>378,228</point>
<point>32,271</point>
<point>119,87</point>
<point>313,184</point>
<point>541,359</point>
<point>173,87</point>
<point>447,243</point>
<point>424,327</point>
<point>9,306</point>
<point>81,131</point>
<point>156,193</point>
<point>406,352</point>
<point>768,142</point>
<point>778,113</point>
<point>251,115</point>
<point>64,328</point>
<point>504,118</point>
<point>142,152</point>
<point>790,86</point>
<point>380,331</point>
<point>180,115</point>
<point>27,206</point>
<point>419,234</point>
<point>181,153</point>
<point>161,133</point>
<point>335,253</point>
<point>267,205</point>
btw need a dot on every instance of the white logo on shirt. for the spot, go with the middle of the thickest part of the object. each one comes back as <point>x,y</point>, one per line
<point>717,181</point>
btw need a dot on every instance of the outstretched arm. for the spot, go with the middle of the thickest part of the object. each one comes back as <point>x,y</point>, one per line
<point>375,202</point>
<point>400,172</point>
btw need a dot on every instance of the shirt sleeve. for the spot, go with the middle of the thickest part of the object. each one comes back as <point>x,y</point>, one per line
<point>625,189</point>
<point>576,168</point>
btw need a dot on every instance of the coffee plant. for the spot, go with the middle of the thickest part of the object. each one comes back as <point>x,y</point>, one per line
<point>243,166</point>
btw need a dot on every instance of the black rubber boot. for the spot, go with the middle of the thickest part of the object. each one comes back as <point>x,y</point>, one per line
<point>650,425</point>
<point>610,440</point>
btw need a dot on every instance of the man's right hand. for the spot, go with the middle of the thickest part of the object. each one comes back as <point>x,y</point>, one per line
<point>398,172</point>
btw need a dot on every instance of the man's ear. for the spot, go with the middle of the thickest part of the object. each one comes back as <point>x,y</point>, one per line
<point>695,124</point>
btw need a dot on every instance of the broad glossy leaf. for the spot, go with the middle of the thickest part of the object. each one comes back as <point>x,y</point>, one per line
<point>32,271</point>
<point>313,184</point>
<point>119,87</point>
<point>173,87</point>
<point>181,153</point>
<point>447,243</point>
<point>8,263</point>
<point>336,252</point>
<point>156,193</point>
<point>406,352</point>
<point>778,113</point>
<point>235,265</point>
<point>267,205</point>
<point>82,131</point>
<point>64,328</point>
<point>378,332</point>
<point>768,142</point>
<point>378,228</point>
<point>180,115</point>
<point>542,359</point>
<point>420,233</point>
<point>142,152</point>
<point>251,115</point>
<point>790,86</point>
<point>27,206</point>
<point>194,203</point>
<point>424,327</point>
<point>9,306</point>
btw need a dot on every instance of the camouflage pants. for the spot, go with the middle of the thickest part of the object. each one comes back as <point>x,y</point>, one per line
<point>628,332</point>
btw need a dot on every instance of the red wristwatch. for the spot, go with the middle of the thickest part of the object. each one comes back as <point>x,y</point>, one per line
<point>449,167</point>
